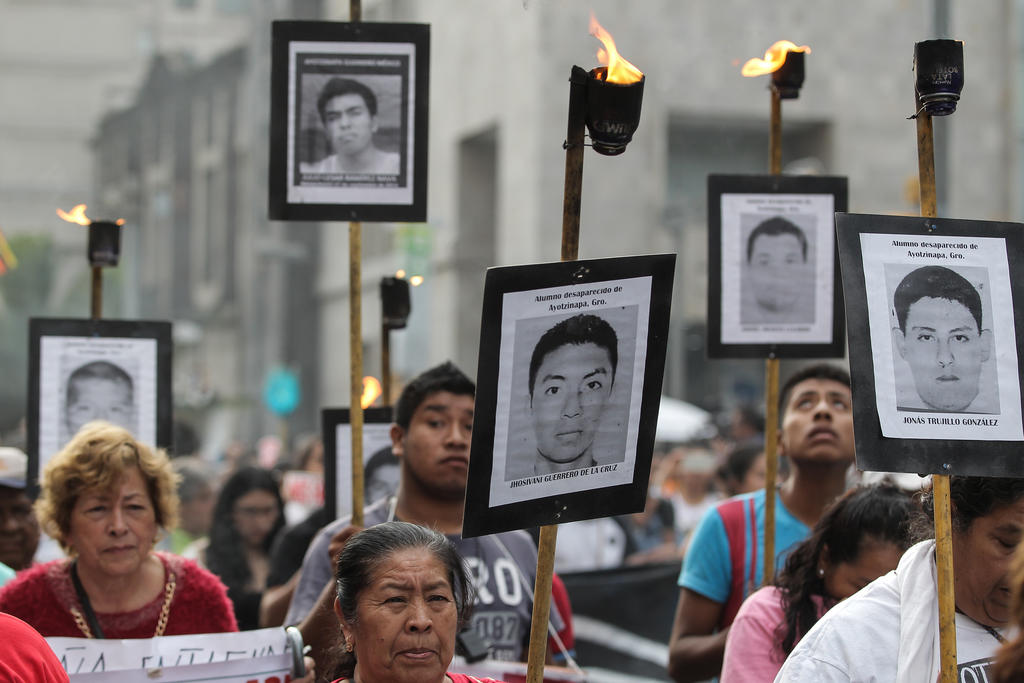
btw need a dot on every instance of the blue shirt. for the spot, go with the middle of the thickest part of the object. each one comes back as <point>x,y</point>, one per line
<point>6,573</point>
<point>707,568</point>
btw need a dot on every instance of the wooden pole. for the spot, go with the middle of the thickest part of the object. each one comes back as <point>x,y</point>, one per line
<point>926,165</point>
<point>96,307</point>
<point>570,252</point>
<point>940,482</point>
<point>775,133</point>
<point>355,339</point>
<point>771,463</point>
<point>771,375</point>
<point>574,164</point>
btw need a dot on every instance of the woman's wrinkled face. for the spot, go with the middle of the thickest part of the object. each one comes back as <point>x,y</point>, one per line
<point>981,562</point>
<point>406,620</point>
<point>113,531</point>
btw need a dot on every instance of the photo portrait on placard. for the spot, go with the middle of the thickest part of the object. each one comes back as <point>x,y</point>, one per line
<point>777,269</point>
<point>380,466</point>
<point>351,140</point>
<point>82,379</point>
<point>569,388</point>
<point>349,116</point>
<point>943,337</point>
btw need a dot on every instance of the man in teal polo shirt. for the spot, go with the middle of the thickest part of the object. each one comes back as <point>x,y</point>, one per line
<point>723,562</point>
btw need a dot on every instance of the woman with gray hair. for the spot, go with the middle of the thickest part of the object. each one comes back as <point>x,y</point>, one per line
<point>403,595</point>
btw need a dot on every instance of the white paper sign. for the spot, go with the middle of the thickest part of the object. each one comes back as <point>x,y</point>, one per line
<point>260,670</point>
<point>374,65</point>
<point>778,258</point>
<point>521,422</point>
<point>122,373</point>
<point>940,313</point>
<point>376,437</point>
<point>86,655</point>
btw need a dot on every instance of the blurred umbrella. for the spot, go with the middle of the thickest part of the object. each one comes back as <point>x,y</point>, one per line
<point>679,421</point>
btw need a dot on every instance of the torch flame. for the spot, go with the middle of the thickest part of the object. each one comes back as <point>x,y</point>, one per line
<point>773,58</point>
<point>619,70</point>
<point>371,390</point>
<point>77,215</point>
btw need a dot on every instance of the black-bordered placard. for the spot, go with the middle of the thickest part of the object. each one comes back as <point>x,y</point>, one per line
<point>568,386</point>
<point>348,121</point>
<point>933,335</point>
<point>83,370</point>
<point>773,271</point>
<point>380,466</point>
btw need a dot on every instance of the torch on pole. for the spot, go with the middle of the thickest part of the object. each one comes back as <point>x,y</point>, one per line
<point>606,102</point>
<point>939,78</point>
<point>103,251</point>
<point>785,62</point>
<point>395,306</point>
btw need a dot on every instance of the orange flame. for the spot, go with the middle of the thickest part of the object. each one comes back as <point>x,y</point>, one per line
<point>371,390</point>
<point>77,215</point>
<point>773,58</point>
<point>619,70</point>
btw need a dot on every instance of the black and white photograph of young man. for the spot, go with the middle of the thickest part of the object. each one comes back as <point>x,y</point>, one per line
<point>777,268</point>
<point>351,137</point>
<point>571,378</point>
<point>569,388</point>
<point>777,276</point>
<point>943,343</point>
<point>99,390</point>
<point>944,338</point>
<point>82,379</point>
<point>352,144</point>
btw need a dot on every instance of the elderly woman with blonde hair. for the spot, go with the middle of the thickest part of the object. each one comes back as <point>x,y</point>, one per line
<point>105,497</point>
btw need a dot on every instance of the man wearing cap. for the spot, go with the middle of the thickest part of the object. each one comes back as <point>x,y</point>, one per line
<point>19,529</point>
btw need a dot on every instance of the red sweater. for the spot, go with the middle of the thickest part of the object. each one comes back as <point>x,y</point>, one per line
<point>44,595</point>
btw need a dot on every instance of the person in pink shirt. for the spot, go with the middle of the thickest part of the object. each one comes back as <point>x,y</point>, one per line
<point>860,537</point>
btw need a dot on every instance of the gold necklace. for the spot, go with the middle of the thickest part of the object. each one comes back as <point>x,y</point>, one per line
<point>161,623</point>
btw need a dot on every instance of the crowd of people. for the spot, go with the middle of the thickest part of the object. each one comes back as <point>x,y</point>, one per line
<point>156,545</point>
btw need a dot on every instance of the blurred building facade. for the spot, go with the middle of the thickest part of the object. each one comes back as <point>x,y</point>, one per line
<point>184,159</point>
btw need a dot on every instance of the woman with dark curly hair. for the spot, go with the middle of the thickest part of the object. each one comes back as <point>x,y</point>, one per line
<point>249,512</point>
<point>889,631</point>
<point>859,537</point>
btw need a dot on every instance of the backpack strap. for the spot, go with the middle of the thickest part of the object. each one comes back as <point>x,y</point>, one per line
<point>735,516</point>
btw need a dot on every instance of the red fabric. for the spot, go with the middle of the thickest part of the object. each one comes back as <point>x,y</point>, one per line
<point>24,655</point>
<point>561,599</point>
<point>734,519</point>
<point>43,596</point>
